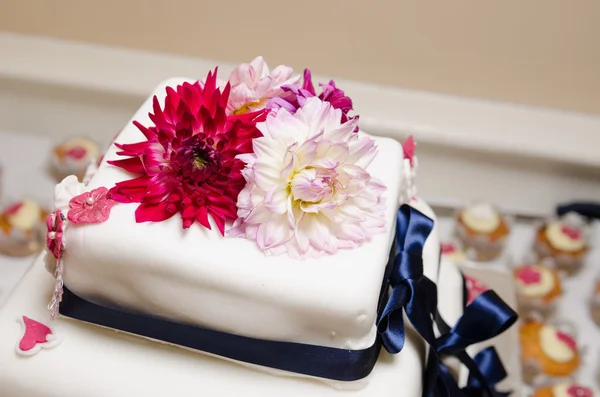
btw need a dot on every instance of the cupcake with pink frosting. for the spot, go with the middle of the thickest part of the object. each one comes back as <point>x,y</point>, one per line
<point>565,240</point>
<point>482,229</point>
<point>22,228</point>
<point>547,351</point>
<point>73,157</point>
<point>538,289</point>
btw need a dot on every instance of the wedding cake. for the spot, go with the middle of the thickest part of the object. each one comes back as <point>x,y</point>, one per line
<point>242,237</point>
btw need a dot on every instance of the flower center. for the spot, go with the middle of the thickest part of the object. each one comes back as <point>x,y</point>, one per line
<point>313,185</point>
<point>197,160</point>
<point>246,108</point>
<point>201,159</point>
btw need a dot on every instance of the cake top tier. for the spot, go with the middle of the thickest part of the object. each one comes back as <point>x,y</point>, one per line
<point>296,198</point>
<point>260,156</point>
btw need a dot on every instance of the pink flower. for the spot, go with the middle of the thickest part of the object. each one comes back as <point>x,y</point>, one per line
<point>330,93</point>
<point>188,164</point>
<point>54,237</point>
<point>474,288</point>
<point>529,275</point>
<point>252,85</point>
<point>409,147</point>
<point>91,207</point>
<point>308,191</point>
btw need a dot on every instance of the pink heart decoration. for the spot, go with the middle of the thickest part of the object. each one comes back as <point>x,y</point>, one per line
<point>35,336</point>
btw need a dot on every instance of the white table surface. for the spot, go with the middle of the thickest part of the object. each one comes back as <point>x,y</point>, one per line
<point>24,160</point>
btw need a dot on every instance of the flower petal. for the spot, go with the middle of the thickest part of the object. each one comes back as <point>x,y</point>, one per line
<point>153,213</point>
<point>276,199</point>
<point>273,233</point>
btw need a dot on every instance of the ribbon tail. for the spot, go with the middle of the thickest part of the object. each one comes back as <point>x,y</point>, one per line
<point>391,324</point>
<point>490,372</point>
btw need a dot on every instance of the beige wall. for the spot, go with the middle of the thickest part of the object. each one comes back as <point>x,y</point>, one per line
<point>541,52</point>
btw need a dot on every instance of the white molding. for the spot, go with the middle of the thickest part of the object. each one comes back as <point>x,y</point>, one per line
<point>524,159</point>
<point>433,118</point>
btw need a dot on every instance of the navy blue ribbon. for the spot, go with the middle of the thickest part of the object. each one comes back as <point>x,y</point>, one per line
<point>415,295</point>
<point>590,210</point>
<point>412,292</point>
<point>489,368</point>
<point>486,317</point>
<point>489,364</point>
<point>320,361</point>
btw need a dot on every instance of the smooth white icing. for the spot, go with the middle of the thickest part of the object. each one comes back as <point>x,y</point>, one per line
<point>561,241</point>
<point>482,218</point>
<point>450,285</point>
<point>196,276</point>
<point>27,216</point>
<point>97,362</point>
<point>553,347</point>
<point>539,289</point>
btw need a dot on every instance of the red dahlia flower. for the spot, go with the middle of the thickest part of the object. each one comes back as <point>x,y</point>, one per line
<point>188,163</point>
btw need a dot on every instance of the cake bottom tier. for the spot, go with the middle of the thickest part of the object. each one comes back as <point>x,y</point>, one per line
<point>95,362</point>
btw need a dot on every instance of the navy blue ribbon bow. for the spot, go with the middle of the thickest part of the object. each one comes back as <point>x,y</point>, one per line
<point>414,294</point>
<point>486,317</point>
<point>411,291</point>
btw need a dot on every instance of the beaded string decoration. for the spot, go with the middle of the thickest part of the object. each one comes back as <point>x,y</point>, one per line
<point>409,171</point>
<point>55,222</point>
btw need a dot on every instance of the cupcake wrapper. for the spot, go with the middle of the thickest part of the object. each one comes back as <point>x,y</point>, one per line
<point>536,308</point>
<point>479,248</point>
<point>19,243</point>
<point>67,167</point>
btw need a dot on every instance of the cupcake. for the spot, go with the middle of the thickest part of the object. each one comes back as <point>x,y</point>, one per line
<point>22,228</point>
<point>453,253</point>
<point>482,230</point>
<point>72,157</point>
<point>546,351</point>
<point>564,390</point>
<point>564,240</point>
<point>538,288</point>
